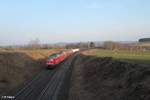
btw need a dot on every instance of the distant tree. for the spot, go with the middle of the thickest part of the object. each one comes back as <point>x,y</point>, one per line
<point>113,45</point>
<point>77,45</point>
<point>71,46</point>
<point>144,40</point>
<point>34,44</point>
<point>108,45</point>
<point>92,45</point>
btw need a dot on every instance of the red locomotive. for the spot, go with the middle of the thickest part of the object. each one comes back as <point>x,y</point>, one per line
<point>57,58</point>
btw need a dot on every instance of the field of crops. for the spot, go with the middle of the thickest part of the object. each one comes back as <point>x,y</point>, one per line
<point>136,56</point>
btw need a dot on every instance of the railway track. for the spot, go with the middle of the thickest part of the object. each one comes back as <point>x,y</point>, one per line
<point>31,90</point>
<point>49,84</point>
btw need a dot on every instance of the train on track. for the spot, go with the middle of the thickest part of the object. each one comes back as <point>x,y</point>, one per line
<point>59,57</point>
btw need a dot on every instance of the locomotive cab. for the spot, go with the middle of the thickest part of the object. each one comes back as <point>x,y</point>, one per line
<point>52,60</point>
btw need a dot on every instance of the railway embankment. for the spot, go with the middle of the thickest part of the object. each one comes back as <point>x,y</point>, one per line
<point>17,67</point>
<point>96,78</point>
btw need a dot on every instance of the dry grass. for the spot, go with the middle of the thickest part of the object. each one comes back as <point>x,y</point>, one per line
<point>35,54</point>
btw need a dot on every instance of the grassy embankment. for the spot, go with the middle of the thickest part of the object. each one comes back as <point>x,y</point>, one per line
<point>18,66</point>
<point>136,56</point>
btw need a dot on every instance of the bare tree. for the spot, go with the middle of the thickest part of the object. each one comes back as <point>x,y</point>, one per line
<point>34,44</point>
<point>91,45</point>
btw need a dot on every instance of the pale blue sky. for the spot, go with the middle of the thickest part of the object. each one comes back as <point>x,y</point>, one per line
<point>73,20</point>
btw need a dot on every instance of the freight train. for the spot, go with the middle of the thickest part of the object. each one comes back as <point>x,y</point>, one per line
<point>57,58</point>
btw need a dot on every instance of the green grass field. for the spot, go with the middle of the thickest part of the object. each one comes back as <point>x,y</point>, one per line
<point>136,56</point>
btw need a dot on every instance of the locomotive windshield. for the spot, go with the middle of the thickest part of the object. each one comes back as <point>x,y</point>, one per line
<point>53,56</point>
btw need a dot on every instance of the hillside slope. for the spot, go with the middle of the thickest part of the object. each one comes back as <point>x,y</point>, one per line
<point>18,67</point>
<point>96,78</point>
